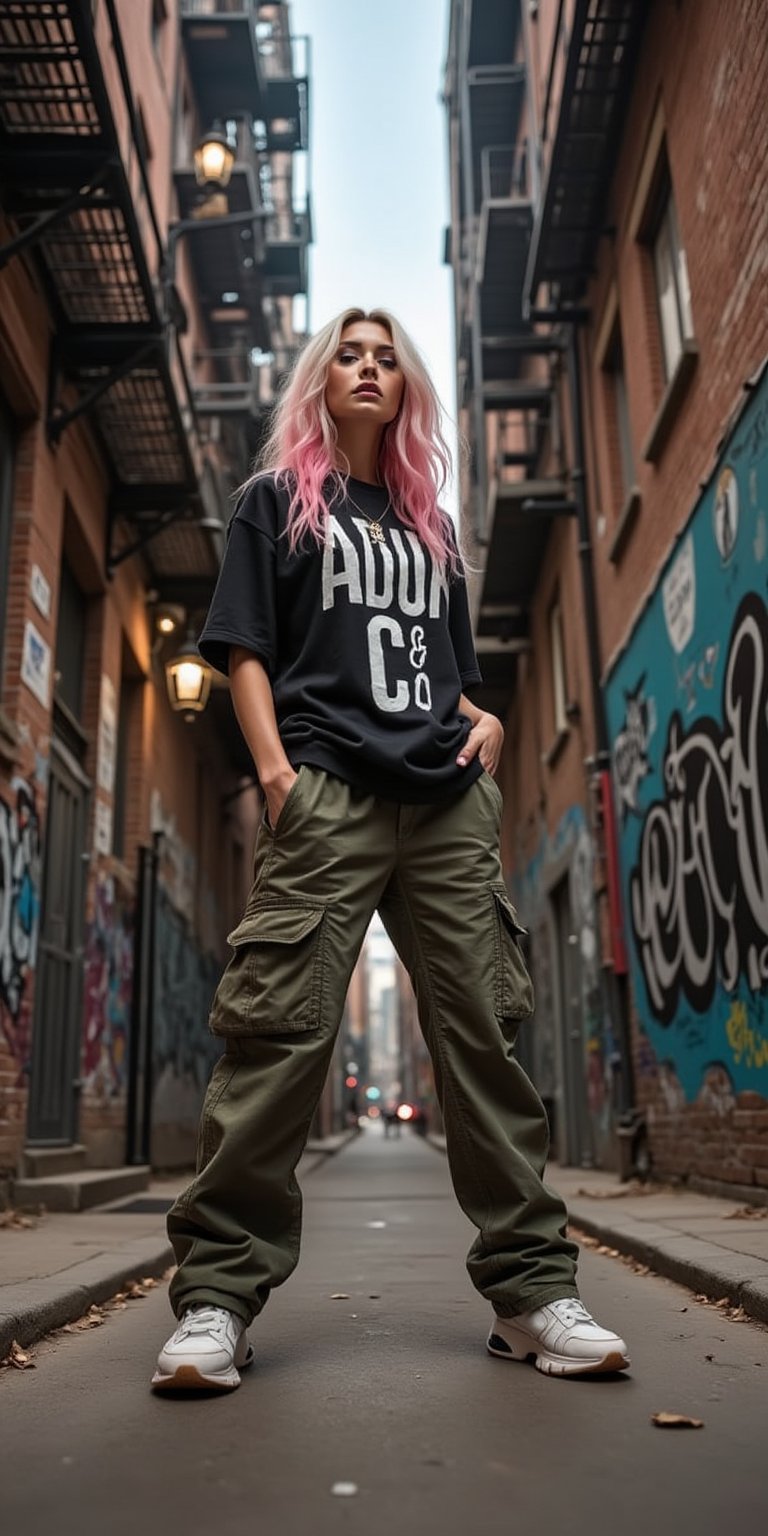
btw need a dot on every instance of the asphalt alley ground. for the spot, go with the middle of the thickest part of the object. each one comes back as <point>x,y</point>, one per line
<point>388,1389</point>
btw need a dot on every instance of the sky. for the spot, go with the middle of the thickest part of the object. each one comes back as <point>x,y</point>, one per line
<point>378,170</point>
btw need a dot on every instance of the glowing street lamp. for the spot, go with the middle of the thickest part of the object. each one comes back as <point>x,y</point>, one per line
<point>188,680</point>
<point>214,159</point>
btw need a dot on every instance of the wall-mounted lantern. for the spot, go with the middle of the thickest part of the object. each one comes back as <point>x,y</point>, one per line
<point>214,159</point>
<point>188,679</point>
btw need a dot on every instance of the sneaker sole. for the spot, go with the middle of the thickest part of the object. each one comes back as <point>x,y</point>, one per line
<point>557,1365</point>
<point>187,1378</point>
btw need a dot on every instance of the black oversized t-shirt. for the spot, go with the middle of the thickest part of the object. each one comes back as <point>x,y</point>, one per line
<point>368,646</point>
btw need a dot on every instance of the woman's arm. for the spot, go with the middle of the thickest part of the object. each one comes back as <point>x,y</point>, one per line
<point>255,710</point>
<point>486,737</point>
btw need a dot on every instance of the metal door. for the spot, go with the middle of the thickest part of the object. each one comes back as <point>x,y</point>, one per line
<point>575,1136</point>
<point>55,1077</point>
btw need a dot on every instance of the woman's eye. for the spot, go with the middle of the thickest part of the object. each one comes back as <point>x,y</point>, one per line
<point>347,357</point>
<point>388,362</point>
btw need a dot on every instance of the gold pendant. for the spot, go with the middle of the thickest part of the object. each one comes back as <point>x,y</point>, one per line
<point>376,533</point>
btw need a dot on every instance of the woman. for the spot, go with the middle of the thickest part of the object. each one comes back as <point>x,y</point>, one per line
<point>341,617</point>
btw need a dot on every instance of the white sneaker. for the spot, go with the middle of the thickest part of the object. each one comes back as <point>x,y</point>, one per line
<point>208,1350</point>
<point>561,1338</point>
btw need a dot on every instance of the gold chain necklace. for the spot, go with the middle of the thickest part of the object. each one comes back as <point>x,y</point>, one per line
<point>375,530</point>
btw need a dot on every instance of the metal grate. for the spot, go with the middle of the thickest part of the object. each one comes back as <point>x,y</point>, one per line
<point>599,69</point>
<point>91,262</point>
<point>182,550</point>
<point>44,88</point>
<point>139,426</point>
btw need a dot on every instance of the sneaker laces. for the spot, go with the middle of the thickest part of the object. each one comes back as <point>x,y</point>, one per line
<point>571,1309</point>
<point>204,1319</point>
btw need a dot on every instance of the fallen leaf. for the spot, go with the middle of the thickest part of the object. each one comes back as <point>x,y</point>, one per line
<point>629,1191</point>
<point>340,1296</point>
<point>149,1284</point>
<point>20,1359</point>
<point>709,1357</point>
<point>134,1291</point>
<point>93,1318</point>
<point>675,1421</point>
<point>747,1213</point>
<point>14,1221</point>
<point>344,1490</point>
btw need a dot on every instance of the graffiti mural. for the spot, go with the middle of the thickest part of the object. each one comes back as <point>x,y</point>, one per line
<point>19,913</point>
<point>570,846</point>
<point>186,980</point>
<point>108,983</point>
<point>694,850</point>
<point>630,749</point>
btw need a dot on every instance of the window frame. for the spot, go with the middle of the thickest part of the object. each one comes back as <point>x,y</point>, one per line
<point>558,670</point>
<point>675,320</point>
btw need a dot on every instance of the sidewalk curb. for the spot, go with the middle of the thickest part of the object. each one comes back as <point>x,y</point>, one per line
<point>704,1268</point>
<point>36,1307</point>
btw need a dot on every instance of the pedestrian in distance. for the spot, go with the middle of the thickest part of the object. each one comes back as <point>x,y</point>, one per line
<point>341,618</point>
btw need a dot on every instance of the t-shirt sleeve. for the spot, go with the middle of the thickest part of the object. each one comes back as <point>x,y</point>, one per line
<point>459,625</point>
<point>461,633</point>
<point>243,607</point>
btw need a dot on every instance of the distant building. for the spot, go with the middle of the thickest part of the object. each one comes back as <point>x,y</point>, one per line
<point>141,341</point>
<point>608,238</point>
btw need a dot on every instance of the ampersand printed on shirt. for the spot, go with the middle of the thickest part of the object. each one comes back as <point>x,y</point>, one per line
<point>418,651</point>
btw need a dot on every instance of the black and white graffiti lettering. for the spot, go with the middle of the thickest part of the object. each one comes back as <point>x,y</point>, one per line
<point>699,890</point>
<point>630,751</point>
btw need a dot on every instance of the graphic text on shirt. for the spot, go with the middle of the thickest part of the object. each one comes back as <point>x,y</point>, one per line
<point>386,579</point>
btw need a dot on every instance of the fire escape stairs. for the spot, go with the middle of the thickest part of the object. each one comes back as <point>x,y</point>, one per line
<point>67,200</point>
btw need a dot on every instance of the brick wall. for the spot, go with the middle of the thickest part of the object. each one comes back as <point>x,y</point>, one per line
<point>700,86</point>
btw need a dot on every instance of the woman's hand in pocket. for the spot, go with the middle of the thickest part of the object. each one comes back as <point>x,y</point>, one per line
<point>276,793</point>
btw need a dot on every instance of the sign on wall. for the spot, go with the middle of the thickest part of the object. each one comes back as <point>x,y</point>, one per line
<point>36,664</point>
<point>688,717</point>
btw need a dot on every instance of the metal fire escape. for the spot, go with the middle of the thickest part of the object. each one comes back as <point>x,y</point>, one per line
<point>76,200</point>
<point>505,363</point>
<point>600,55</point>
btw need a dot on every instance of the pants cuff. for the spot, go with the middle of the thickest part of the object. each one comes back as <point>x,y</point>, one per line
<point>538,1299</point>
<point>202,1297</point>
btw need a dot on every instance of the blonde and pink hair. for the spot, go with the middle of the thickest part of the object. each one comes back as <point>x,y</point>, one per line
<point>414,460</point>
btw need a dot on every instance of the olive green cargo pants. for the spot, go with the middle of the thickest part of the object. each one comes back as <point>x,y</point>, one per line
<point>433,872</point>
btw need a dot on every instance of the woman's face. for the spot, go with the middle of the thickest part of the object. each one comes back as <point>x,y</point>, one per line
<point>365,381</point>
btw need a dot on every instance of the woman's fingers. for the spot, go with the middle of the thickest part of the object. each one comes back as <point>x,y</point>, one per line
<point>485,737</point>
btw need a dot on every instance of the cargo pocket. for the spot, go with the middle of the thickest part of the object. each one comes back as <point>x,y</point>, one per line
<point>514,988</point>
<point>274,982</point>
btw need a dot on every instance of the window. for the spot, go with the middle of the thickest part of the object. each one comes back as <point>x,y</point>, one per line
<point>70,642</point>
<point>670,346</point>
<point>614,368</point>
<point>672,290</point>
<point>557,648</point>
<point>7,458</point>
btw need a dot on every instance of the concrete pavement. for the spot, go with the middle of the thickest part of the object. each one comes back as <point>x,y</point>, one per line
<point>717,1247</point>
<point>54,1269</point>
<point>373,1405</point>
<point>51,1273</point>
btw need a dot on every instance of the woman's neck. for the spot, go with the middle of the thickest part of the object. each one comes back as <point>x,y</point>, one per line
<point>360,449</point>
